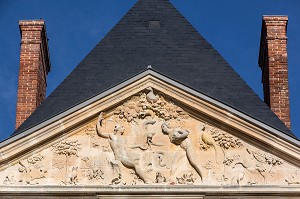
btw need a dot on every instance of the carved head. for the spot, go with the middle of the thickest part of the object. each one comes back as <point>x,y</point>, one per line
<point>119,129</point>
<point>149,88</point>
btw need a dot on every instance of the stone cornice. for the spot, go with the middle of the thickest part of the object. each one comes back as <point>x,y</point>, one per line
<point>152,191</point>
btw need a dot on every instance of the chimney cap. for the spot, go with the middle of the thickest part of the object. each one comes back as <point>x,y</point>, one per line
<point>33,22</point>
<point>275,18</point>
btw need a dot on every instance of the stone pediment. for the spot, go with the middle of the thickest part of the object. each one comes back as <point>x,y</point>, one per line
<point>150,131</point>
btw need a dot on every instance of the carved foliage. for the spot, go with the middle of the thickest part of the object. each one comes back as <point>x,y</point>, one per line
<point>66,148</point>
<point>186,178</point>
<point>225,140</point>
<point>95,170</point>
<point>265,159</point>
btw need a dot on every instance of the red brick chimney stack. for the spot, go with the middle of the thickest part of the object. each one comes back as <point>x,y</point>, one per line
<point>34,67</point>
<point>273,61</point>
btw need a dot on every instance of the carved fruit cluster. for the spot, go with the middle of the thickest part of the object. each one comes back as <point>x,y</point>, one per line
<point>130,110</point>
<point>139,107</point>
<point>225,140</point>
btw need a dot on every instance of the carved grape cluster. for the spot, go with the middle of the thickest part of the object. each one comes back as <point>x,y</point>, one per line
<point>129,110</point>
<point>169,111</point>
<point>225,140</point>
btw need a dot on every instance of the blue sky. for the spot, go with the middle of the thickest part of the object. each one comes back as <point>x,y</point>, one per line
<point>75,27</point>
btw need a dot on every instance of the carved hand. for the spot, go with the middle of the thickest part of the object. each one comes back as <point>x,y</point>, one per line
<point>99,125</point>
<point>100,118</point>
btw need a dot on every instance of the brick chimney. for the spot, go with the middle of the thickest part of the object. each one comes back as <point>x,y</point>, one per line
<point>274,65</point>
<point>34,67</point>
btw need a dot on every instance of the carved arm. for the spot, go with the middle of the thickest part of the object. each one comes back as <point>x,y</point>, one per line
<point>99,125</point>
<point>140,146</point>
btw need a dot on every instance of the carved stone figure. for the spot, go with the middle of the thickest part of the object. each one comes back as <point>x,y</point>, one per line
<point>72,176</point>
<point>94,168</point>
<point>208,139</point>
<point>32,169</point>
<point>151,97</point>
<point>118,146</point>
<point>238,176</point>
<point>257,166</point>
<point>294,178</point>
<point>180,137</point>
<point>265,158</point>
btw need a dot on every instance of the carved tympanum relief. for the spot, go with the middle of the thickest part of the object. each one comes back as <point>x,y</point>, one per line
<point>150,139</point>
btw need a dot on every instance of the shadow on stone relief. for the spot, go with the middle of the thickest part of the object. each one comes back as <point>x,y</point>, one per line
<point>149,139</point>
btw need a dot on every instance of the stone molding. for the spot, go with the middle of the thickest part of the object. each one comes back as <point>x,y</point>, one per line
<point>152,191</point>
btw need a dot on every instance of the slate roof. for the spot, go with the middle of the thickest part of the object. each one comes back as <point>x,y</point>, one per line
<point>172,46</point>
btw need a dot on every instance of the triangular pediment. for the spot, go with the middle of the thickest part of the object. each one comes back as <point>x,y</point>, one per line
<point>150,130</point>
